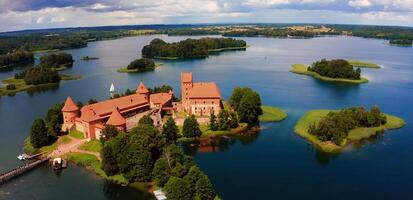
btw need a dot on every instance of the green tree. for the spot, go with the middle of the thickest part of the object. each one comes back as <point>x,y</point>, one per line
<point>170,130</point>
<point>234,120</point>
<point>38,134</point>
<point>213,125</point>
<point>224,120</point>
<point>146,119</point>
<point>191,127</point>
<point>161,172</point>
<point>54,120</point>
<point>136,164</point>
<point>192,177</point>
<point>250,107</point>
<point>204,189</point>
<point>177,189</point>
<point>109,132</point>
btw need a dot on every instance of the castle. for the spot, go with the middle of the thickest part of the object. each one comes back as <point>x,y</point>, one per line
<point>200,99</point>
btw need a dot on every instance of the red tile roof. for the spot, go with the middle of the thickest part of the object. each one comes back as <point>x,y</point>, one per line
<point>116,119</point>
<point>70,105</point>
<point>186,77</point>
<point>142,89</point>
<point>204,90</point>
<point>160,98</point>
<point>104,108</point>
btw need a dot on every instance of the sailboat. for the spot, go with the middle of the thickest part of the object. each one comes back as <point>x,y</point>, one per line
<point>112,90</point>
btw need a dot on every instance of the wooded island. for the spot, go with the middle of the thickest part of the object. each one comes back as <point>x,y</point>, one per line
<point>190,48</point>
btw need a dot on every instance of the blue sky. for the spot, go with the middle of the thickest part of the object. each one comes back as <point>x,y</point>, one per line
<point>35,14</point>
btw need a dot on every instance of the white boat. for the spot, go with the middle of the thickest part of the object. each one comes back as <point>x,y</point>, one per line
<point>112,88</point>
<point>22,156</point>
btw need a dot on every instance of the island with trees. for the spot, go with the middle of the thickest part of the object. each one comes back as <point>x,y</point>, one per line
<point>338,70</point>
<point>333,130</point>
<point>401,42</point>
<point>140,65</point>
<point>190,48</point>
<point>58,61</point>
<point>243,111</point>
<point>15,58</point>
<point>87,58</point>
<point>31,78</point>
<point>144,157</point>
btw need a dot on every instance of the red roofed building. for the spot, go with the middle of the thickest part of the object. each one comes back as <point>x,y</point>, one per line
<point>92,118</point>
<point>200,99</point>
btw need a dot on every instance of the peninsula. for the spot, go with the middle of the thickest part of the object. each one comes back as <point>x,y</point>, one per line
<point>32,78</point>
<point>190,48</point>
<point>332,130</point>
<point>334,70</point>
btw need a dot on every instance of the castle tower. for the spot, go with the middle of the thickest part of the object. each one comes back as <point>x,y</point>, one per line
<point>186,86</point>
<point>143,90</point>
<point>70,112</point>
<point>117,120</point>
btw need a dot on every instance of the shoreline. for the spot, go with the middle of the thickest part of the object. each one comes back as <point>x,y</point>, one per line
<point>354,135</point>
<point>302,70</point>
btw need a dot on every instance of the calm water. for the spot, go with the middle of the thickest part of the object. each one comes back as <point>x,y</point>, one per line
<point>274,163</point>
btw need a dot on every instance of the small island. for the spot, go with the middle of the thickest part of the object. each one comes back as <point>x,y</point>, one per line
<point>332,130</point>
<point>139,65</point>
<point>190,48</point>
<point>87,58</point>
<point>59,61</point>
<point>334,70</point>
<point>32,78</point>
<point>401,42</point>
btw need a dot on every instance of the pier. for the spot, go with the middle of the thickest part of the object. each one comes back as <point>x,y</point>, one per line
<point>4,177</point>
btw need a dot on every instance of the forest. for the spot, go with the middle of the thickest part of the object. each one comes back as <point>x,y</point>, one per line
<point>336,125</point>
<point>146,154</point>
<point>56,60</point>
<point>38,75</point>
<point>335,69</point>
<point>15,58</point>
<point>189,48</point>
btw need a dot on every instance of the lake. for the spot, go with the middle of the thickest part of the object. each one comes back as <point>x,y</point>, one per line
<point>275,163</point>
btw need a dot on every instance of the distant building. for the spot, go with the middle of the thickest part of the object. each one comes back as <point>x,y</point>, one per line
<point>199,98</point>
<point>123,112</point>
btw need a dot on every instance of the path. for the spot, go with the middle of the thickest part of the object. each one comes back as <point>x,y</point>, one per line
<point>72,146</point>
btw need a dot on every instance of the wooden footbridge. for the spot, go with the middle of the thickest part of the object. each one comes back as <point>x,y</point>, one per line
<point>4,177</point>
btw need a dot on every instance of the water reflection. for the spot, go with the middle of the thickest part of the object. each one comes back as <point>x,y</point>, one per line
<point>220,143</point>
<point>112,191</point>
<point>339,90</point>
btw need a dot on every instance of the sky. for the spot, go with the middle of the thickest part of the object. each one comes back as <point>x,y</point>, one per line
<point>38,14</point>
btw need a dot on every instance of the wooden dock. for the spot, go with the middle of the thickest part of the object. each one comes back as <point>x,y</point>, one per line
<point>4,177</point>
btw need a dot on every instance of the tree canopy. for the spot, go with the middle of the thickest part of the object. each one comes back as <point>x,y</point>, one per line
<point>336,69</point>
<point>56,60</point>
<point>15,58</point>
<point>191,127</point>
<point>336,125</point>
<point>189,48</point>
<point>142,64</point>
<point>247,104</point>
<point>38,134</point>
<point>38,75</point>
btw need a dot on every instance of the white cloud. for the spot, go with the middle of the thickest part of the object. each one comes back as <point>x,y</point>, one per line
<point>359,3</point>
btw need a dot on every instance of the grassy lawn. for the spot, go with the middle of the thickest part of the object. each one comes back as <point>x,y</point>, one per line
<point>77,134</point>
<point>314,117</point>
<point>66,140</point>
<point>29,149</point>
<point>93,145</point>
<point>181,114</point>
<point>272,114</point>
<point>302,69</point>
<point>361,64</point>
<point>206,132</point>
<point>91,162</point>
